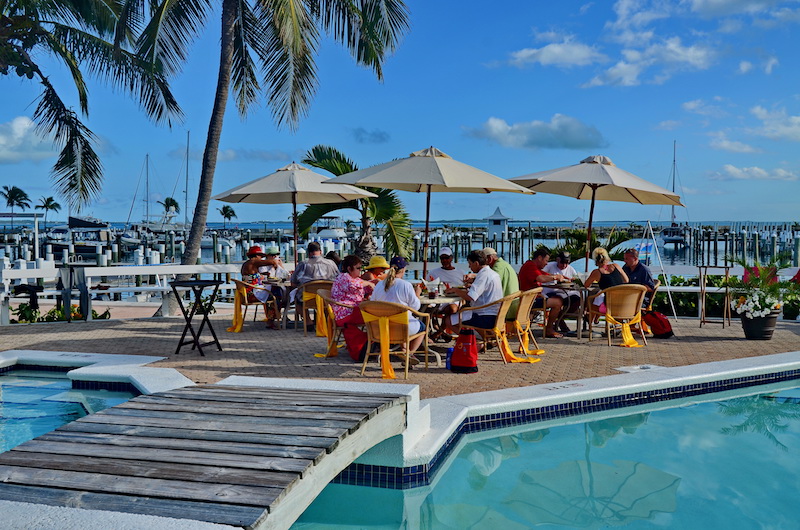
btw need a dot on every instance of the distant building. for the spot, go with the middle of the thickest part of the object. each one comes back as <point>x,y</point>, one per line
<point>497,226</point>
<point>579,222</point>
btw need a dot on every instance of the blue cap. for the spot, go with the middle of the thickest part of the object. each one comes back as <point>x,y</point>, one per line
<point>399,262</point>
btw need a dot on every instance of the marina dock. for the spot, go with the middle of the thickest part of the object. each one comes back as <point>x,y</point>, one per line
<point>251,457</point>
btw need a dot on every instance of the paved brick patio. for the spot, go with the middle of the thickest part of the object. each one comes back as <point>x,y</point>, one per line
<point>257,351</point>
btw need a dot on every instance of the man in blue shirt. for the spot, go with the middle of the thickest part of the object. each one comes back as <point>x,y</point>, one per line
<point>638,273</point>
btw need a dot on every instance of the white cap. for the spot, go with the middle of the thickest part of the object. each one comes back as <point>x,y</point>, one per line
<point>446,251</point>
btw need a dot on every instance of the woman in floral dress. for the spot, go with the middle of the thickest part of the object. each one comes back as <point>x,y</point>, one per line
<point>348,288</point>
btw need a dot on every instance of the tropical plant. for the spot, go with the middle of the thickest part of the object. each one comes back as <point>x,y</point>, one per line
<point>47,204</point>
<point>15,198</point>
<point>263,45</point>
<point>575,242</point>
<point>227,214</point>
<point>759,291</point>
<point>75,33</point>
<point>168,203</point>
<point>386,209</point>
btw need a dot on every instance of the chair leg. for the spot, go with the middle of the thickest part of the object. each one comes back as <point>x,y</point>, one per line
<point>408,356</point>
<point>608,332</point>
<point>366,356</point>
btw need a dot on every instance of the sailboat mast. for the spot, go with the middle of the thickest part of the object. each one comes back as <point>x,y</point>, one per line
<point>147,188</point>
<point>674,171</point>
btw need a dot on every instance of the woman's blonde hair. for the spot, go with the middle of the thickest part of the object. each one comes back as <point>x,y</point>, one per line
<point>391,276</point>
<point>600,256</point>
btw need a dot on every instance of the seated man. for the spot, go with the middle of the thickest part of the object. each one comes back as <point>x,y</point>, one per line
<point>638,273</point>
<point>276,271</point>
<point>508,277</point>
<point>314,268</point>
<point>485,289</point>
<point>561,266</point>
<point>451,276</point>
<point>532,275</point>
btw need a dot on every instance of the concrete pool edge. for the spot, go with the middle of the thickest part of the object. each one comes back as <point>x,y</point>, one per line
<point>103,367</point>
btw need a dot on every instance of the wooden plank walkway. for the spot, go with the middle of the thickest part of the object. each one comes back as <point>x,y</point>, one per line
<point>222,454</point>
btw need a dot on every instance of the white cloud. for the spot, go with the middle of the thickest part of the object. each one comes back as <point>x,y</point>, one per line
<point>771,63</point>
<point>668,125</point>
<point>712,8</point>
<point>585,8</point>
<point>730,172</point>
<point>375,136</point>
<point>566,53</point>
<point>561,132</point>
<point>698,106</point>
<point>669,56</point>
<point>730,25</point>
<point>719,140</point>
<point>230,155</point>
<point>632,18</point>
<point>19,142</point>
<point>777,124</point>
<point>745,66</point>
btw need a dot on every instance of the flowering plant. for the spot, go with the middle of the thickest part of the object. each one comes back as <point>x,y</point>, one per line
<point>759,292</point>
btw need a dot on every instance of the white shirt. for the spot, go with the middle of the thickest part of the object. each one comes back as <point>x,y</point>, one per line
<point>552,268</point>
<point>401,292</point>
<point>453,277</point>
<point>274,272</point>
<point>486,289</point>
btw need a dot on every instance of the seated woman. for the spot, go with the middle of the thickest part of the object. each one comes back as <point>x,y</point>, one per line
<point>393,288</point>
<point>348,288</point>
<point>256,259</point>
<point>375,270</point>
<point>607,274</point>
<point>276,271</point>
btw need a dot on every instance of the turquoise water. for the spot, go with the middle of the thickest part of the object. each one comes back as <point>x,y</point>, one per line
<point>731,464</point>
<point>34,403</point>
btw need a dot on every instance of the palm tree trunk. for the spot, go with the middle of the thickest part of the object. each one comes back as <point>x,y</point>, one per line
<point>214,132</point>
<point>366,247</point>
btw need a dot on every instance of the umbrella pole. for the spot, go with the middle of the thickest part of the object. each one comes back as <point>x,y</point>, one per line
<point>294,226</point>
<point>427,227</point>
<point>589,230</point>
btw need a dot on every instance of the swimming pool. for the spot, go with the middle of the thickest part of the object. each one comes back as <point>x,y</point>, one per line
<point>35,402</point>
<point>731,463</point>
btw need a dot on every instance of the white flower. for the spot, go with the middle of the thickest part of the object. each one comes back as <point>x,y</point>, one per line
<point>755,304</point>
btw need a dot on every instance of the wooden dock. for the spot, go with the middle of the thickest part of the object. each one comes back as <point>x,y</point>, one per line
<point>252,457</point>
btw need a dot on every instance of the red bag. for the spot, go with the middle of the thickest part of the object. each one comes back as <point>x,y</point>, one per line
<point>465,353</point>
<point>659,324</point>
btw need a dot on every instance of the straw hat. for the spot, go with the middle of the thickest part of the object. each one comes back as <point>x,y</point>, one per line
<point>377,262</point>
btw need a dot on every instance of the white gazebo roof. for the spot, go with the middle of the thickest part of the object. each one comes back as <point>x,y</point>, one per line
<point>497,216</point>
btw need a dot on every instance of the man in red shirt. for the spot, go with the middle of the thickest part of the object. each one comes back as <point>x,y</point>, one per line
<point>531,276</point>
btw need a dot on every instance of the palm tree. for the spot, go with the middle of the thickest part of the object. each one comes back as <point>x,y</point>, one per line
<point>263,45</point>
<point>75,33</point>
<point>168,203</point>
<point>15,197</point>
<point>386,208</point>
<point>47,204</point>
<point>227,214</point>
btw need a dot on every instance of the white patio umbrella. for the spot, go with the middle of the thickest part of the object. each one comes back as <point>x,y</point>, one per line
<point>292,184</point>
<point>597,178</point>
<point>429,170</point>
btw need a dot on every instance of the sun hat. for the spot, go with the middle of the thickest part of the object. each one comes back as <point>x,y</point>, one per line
<point>255,250</point>
<point>377,262</point>
<point>489,251</point>
<point>399,262</point>
<point>272,251</point>
<point>446,251</point>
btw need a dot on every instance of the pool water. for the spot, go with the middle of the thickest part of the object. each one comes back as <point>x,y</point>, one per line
<point>731,464</point>
<point>33,403</point>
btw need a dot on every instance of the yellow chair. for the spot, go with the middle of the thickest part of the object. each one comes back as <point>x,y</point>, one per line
<point>522,324</point>
<point>308,295</point>
<point>543,309</point>
<point>498,331</point>
<point>387,324</point>
<point>333,332</point>
<point>623,308</point>
<point>241,301</point>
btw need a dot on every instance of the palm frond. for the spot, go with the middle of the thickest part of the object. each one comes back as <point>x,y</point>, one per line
<point>174,26</point>
<point>397,235</point>
<point>313,212</point>
<point>243,71</point>
<point>330,159</point>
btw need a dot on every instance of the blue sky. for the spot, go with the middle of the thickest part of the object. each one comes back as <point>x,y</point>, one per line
<point>514,88</point>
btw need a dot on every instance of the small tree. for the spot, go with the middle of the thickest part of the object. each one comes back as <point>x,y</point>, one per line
<point>15,198</point>
<point>47,204</point>
<point>227,214</point>
<point>168,203</point>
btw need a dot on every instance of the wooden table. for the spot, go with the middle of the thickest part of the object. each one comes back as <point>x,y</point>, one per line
<point>197,306</point>
<point>584,293</point>
<point>439,299</point>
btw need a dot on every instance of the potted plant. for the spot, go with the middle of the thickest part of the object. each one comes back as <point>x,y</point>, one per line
<point>757,298</point>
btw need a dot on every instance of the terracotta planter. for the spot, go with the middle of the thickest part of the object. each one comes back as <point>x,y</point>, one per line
<point>760,328</point>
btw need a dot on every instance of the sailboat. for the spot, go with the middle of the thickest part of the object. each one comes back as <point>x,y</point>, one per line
<point>674,233</point>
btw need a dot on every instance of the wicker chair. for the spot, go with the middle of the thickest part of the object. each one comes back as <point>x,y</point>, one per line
<point>244,288</point>
<point>398,332</point>
<point>623,303</point>
<point>334,332</point>
<point>498,332</point>
<point>526,300</point>
<point>309,302</point>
